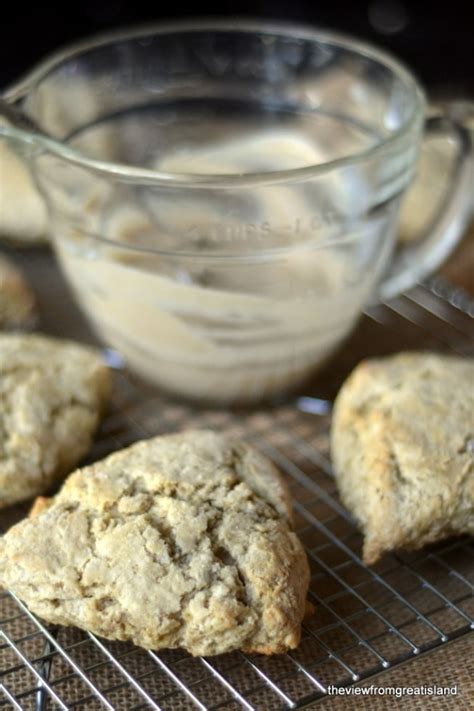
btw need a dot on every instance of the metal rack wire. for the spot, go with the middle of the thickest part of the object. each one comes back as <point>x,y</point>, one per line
<point>366,619</point>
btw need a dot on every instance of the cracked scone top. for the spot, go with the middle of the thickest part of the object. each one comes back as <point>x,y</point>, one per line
<point>51,396</point>
<point>402,446</point>
<point>178,541</point>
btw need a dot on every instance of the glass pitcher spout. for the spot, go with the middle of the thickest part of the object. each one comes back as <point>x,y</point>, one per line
<point>21,132</point>
<point>18,119</point>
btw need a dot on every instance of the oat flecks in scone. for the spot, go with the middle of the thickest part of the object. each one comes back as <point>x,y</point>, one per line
<point>17,303</point>
<point>178,541</point>
<point>52,393</point>
<point>402,448</point>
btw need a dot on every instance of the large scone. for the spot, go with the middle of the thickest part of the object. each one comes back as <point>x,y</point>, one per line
<point>17,303</point>
<point>23,214</point>
<point>403,449</point>
<point>51,396</point>
<point>178,541</point>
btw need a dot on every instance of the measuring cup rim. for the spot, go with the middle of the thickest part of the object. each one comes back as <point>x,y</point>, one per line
<point>134,174</point>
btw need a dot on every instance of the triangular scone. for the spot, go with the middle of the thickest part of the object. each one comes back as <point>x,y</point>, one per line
<point>178,541</point>
<point>23,214</point>
<point>403,449</point>
<point>51,396</point>
<point>17,303</point>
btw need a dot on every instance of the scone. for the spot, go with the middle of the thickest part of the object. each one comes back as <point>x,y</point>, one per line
<point>17,303</point>
<point>178,541</point>
<point>402,446</point>
<point>23,214</point>
<point>51,396</point>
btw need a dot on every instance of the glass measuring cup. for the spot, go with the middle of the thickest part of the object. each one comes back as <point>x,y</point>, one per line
<point>223,196</point>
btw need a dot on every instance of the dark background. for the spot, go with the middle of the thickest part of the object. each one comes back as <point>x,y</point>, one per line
<point>435,38</point>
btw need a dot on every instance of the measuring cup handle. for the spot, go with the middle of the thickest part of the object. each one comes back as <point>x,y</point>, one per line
<point>415,262</point>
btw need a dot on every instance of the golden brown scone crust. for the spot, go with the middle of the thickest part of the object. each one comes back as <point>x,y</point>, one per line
<point>402,445</point>
<point>40,504</point>
<point>17,303</point>
<point>52,393</point>
<point>177,541</point>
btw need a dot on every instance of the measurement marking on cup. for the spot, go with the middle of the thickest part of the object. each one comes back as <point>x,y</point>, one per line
<point>260,231</point>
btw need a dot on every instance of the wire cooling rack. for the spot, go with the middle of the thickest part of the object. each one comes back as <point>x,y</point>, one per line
<point>366,619</point>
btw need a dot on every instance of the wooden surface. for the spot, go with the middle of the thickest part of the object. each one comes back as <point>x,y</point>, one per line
<point>460,268</point>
